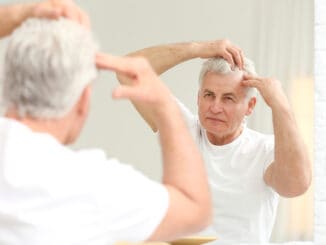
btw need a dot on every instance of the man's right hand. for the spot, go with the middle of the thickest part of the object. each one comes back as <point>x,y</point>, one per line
<point>220,48</point>
<point>145,86</point>
<point>54,9</point>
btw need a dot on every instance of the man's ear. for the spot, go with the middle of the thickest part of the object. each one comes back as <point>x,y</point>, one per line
<point>251,105</point>
<point>84,101</point>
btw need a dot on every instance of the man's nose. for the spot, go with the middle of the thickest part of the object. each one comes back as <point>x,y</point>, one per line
<point>216,106</point>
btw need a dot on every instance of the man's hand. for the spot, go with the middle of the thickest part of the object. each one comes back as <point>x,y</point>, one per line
<point>220,48</point>
<point>270,89</point>
<point>145,86</point>
<point>11,16</point>
<point>60,8</point>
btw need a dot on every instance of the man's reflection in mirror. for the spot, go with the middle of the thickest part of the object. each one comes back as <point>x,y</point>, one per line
<point>247,170</point>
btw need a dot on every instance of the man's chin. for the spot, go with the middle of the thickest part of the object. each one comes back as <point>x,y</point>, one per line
<point>218,130</point>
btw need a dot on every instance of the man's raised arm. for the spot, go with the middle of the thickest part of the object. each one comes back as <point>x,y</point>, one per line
<point>290,173</point>
<point>164,57</point>
<point>184,175</point>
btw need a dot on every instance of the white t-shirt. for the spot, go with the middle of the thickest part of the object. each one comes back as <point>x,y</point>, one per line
<point>50,194</point>
<point>244,206</point>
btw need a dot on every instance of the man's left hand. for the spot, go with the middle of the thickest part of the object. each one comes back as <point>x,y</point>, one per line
<point>54,9</point>
<point>269,88</point>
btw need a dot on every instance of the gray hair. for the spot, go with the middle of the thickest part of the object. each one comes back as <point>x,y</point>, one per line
<point>221,66</point>
<point>47,65</point>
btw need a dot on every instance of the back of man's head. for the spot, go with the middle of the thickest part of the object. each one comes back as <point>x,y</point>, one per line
<point>221,66</point>
<point>48,63</point>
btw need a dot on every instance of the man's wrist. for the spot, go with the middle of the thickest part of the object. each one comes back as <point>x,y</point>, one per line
<point>167,113</point>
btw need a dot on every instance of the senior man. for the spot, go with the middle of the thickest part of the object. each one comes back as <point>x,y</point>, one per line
<point>247,170</point>
<point>50,194</point>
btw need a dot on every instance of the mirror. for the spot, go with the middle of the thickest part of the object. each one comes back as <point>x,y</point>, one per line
<point>276,35</point>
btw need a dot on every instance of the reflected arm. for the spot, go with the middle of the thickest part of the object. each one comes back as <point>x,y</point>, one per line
<point>290,173</point>
<point>164,57</point>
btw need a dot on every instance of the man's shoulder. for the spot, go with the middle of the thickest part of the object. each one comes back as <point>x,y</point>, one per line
<point>256,135</point>
<point>257,141</point>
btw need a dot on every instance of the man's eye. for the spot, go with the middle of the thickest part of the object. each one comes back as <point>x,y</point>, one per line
<point>207,95</point>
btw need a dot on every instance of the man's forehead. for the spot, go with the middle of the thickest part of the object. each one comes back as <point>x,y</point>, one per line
<point>231,81</point>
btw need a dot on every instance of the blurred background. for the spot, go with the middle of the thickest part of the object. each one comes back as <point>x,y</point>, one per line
<point>277,35</point>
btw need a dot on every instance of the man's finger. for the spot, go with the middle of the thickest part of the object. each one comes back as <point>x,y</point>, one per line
<point>251,83</point>
<point>70,13</point>
<point>84,19</point>
<point>127,92</point>
<point>242,59</point>
<point>236,57</point>
<point>247,76</point>
<point>121,65</point>
<point>47,12</point>
<point>228,57</point>
<point>100,61</point>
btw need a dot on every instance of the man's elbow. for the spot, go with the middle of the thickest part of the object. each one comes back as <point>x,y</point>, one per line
<point>294,181</point>
<point>298,188</point>
<point>304,181</point>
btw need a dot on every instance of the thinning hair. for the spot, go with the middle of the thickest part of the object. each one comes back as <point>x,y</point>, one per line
<point>221,66</point>
<point>47,65</point>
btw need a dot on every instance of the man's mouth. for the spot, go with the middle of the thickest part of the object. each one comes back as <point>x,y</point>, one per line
<point>215,119</point>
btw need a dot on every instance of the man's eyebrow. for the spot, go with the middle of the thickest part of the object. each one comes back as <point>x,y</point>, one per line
<point>208,91</point>
<point>230,94</point>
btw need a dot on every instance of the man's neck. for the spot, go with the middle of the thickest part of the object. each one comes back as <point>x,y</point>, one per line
<point>54,127</point>
<point>218,139</point>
